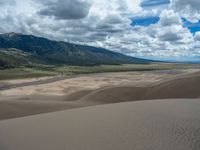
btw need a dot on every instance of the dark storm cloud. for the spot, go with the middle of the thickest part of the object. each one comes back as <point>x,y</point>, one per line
<point>66,9</point>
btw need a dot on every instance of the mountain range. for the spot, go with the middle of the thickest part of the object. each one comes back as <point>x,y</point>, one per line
<point>22,50</point>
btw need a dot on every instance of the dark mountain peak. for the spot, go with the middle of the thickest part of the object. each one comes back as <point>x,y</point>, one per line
<point>55,52</point>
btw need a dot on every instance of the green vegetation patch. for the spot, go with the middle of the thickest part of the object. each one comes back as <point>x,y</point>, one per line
<point>52,70</point>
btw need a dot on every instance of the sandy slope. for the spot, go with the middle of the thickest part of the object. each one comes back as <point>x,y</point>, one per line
<point>183,87</point>
<point>142,125</point>
<point>98,89</point>
<point>65,94</point>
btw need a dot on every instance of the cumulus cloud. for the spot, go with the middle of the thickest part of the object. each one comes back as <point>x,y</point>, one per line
<point>65,9</point>
<point>189,9</point>
<point>170,28</point>
<point>102,23</point>
<point>103,19</point>
<point>167,38</point>
<point>168,18</point>
<point>197,36</point>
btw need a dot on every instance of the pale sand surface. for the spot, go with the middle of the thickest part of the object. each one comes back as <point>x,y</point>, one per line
<point>141,125</point>
<point>88,90</point>
<point>93,81</point>
<point>90,82</point>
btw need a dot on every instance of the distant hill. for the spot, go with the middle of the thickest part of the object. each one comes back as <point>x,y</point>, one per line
<point>19,49</point>
<point>14,58</point>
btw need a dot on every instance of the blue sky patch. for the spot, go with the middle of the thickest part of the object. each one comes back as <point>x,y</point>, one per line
<point>193,27</point>
<point>145,21</point>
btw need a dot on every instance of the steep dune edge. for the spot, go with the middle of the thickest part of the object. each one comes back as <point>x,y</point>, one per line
<point>188,87</point>
<point>183,87</point>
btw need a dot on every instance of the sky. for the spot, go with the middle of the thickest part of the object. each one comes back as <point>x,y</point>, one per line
<point>154,29</point>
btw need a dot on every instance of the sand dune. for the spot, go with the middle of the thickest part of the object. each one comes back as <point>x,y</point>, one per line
<point>184,87</point>
<point>97,89</point>
<point>66,93</point>
<point>187,87</point>
<point>171,121</point>
<point>152,125</point>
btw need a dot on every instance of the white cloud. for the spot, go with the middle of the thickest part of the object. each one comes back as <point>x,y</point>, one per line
<point>103,23</point>
<point>65,9</point>
<point>197,36</point>
<point>189,9</point>
<point>167,38</point>
<point>168,18</point>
